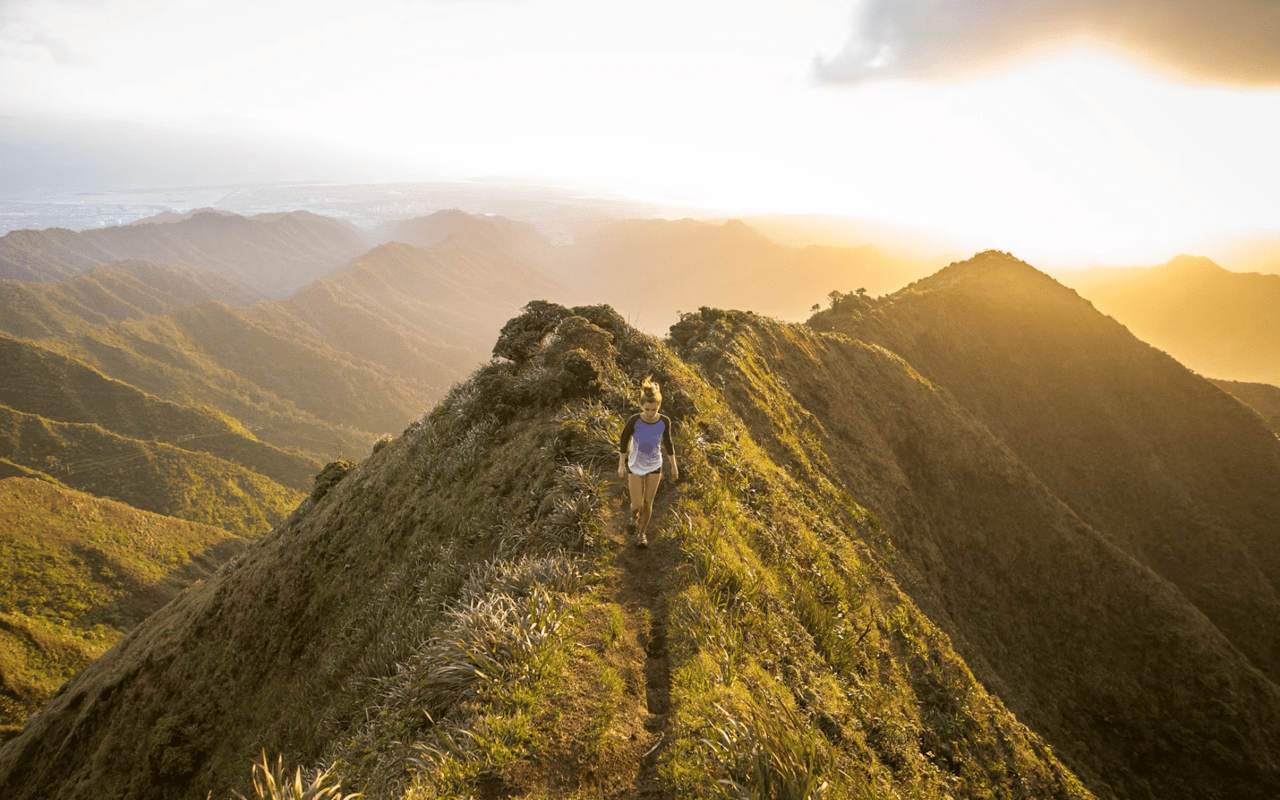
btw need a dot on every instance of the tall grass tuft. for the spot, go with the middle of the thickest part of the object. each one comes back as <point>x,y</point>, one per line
<point>574,521</point>
<point>273,783</point>
<point>771,756</point>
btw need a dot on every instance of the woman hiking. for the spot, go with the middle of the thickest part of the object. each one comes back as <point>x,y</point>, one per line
<point>640,447</point>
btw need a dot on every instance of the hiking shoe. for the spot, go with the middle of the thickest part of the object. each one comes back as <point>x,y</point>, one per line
<point>631,527</point>
<point>641,541</point>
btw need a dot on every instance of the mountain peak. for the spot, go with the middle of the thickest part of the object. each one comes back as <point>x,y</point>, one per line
<point>168,216</point>
<point>1188,265</point>
<point>449,223</point>
<point>991,271</point>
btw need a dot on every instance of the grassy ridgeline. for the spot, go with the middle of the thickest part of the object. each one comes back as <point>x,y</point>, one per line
<point>846,604</point>
<point>59,388</point>
<point>153,476</point>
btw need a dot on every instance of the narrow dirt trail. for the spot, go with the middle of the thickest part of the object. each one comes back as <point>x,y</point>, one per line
<point>605,745</point>
<point>635,583</point>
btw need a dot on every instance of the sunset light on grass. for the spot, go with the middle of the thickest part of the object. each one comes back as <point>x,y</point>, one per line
<point>576,400</point>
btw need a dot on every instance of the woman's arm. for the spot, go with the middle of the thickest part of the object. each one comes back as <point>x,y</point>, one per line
<point>624,445</point>
<point>669,441</point>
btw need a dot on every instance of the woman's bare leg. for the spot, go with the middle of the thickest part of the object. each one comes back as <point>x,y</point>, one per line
<point>636,484</point>
<point>650,491</point>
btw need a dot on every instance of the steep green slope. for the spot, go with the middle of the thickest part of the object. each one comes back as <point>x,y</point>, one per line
<point>147,475</point>
<point>47,384</point>
<point>76,574</point>
<point>1163,463</point>
<point>111,293</point>
<point>460,614</point>
<point>1129,683</point>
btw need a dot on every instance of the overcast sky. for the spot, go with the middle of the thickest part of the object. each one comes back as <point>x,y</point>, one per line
<point>1059,130</point>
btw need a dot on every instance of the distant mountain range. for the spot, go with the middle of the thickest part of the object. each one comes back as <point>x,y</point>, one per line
<point>432,230</point>
<point>649,269</point>
<point>272,253</point>
<point>323,371</point>
<point>1224,325</point>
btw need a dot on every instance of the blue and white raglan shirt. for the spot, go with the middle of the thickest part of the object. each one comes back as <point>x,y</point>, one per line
<point>644,442</point>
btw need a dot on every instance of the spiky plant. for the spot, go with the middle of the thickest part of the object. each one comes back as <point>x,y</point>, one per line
<point>272,782</point>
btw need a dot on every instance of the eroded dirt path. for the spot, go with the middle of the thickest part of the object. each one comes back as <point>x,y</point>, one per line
<point>603,742</point>
<point>636,583</point>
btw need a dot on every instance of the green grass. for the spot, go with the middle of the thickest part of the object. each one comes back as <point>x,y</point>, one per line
<point>799,668</point>
<point>56,387</point>
<point>151,476</point>
<point>417,631</point>
<point>76,573</point>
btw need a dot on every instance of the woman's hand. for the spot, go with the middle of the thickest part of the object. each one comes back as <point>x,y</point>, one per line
<point>675,472</point>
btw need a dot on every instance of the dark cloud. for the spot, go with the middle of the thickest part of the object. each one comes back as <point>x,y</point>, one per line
<point>1233,42</point>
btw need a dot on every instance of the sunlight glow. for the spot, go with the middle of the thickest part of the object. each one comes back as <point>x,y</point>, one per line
<point>1076,157</point>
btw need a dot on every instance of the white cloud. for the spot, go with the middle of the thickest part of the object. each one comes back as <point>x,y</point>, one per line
<point>1234,42</point>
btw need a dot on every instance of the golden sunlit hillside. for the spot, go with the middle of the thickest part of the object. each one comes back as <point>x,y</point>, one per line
<point>322,337</point>
<point>921,546</point>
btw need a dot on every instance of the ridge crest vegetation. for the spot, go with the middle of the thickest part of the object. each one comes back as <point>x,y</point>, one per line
<point>862,586</point>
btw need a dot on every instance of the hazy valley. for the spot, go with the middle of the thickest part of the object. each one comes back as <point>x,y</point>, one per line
<point>938,532</point>
<point>1222,324</point>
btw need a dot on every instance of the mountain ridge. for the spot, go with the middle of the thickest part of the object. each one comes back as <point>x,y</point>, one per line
<point>273,253</point>
<point>860,566</point>
<point>1092,409</point>
<point>1261,397</point>
<point>976,564</point>
<point>1223,324</point>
